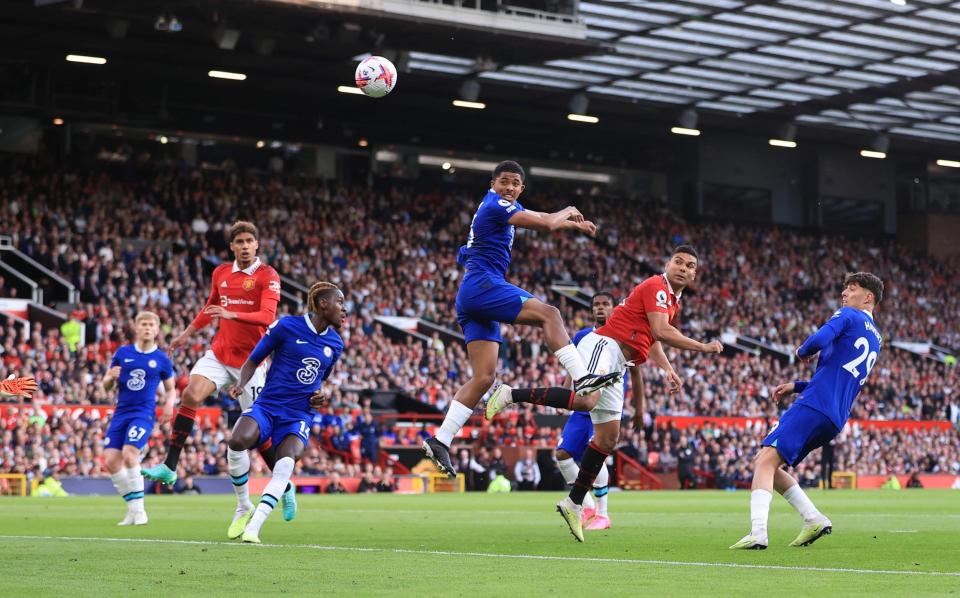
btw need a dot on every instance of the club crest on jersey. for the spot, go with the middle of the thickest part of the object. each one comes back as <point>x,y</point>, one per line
<point>327,352</point>
<point>249,284</point>
<point>152,363</point>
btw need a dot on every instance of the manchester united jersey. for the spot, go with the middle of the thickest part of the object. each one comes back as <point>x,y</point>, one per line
<point>253,294</point>
<point>628,323</point>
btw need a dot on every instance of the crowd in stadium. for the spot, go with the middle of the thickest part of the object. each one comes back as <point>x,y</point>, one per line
<point>141,243</point>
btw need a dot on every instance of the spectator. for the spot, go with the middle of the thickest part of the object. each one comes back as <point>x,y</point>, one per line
<point>526,472</point>
<point>335,486</point>
<point>367,483</point>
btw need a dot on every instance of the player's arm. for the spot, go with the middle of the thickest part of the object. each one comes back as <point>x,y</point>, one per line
<point>783,390</point>
<point>267,345</point>
<point>18,388</point>
<point>665,333</point>
<point>269,298</point>
<point>638,394</point>
<point>659,357</point>
<point>823,337</point>
<point>203,318</point>
<point>112,375</point>
<point>568,218</point>
<point>170,398</point>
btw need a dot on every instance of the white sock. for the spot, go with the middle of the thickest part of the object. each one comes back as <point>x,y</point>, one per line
<point>135,480</point>
<point>759,512</point>
<point>571,359</point>
<point>570,470</point>
<point>457,416</point>
<point>122,483</point>
<point>600,490</point>
<point>238,464</point>
<point>799,500</point>
<point>272,493</point>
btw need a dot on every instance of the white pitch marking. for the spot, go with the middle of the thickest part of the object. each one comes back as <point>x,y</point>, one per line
<point>536,557</point>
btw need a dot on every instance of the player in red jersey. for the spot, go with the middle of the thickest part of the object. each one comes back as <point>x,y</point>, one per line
<point>244,295</point>
<point>634,331</point>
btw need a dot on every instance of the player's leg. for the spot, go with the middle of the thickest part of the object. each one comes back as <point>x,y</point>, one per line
<point>247,433</point>
<point>288,453</point>
<point>765,465</point>
<point>606,425</point>
<point>574,438</point>
<point>601,490</point>
<point>483,355</point>
<point>206,377</point>
<point>537,313</point>
<point>113,460</point>
<point>815,524</point>
<point>131,463</point>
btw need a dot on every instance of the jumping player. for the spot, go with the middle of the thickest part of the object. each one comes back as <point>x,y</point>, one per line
<point>304,349</point>
<point>485,299</point>
<point>244,295</point>
<point>633,332</point>
<point>139,369</point>
<point>848,344</point>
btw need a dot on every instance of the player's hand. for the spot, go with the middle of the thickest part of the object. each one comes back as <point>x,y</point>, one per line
<point>588,227</point>
<point>573,214</point>
<point>235,392</point>
<point>179,342</point>
<point>782,391</point>
<point>22,388</point>
<point>113,373</point>
<point>713,347</point>
<point>319,399</point>
<point>674,382</point>
<point>166,416</point>
<point>220,312</point>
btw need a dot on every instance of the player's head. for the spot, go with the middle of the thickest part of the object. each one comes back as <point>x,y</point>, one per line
<point>861,290</point>
<point>602,306</point>
<point>508,180</point>
<point>326,300</point>
<point>146,326</point>
<point>244,241</point>
<point>682,266</point>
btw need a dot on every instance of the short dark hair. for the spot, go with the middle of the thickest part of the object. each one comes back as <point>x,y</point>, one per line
<point>509,166</point>
<point>688,249</point>
<point>868,281</point>
<point>603,294</point>
<point>242,226</point>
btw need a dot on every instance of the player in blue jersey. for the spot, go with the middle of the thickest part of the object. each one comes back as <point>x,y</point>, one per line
<point>848,344</point>
<point>578,430</point>
<point>485,300</point>
<point>139,370</point>
<point>303,350</point>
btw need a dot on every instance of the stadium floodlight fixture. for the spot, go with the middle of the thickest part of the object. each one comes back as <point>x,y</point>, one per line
<point>878,147</point>
<point>350,89</point>
<point>687,124</point>
<point>81,58</point>
<point>786,136</point>
<point>58,121</point>
<point>260,144</point>
<point>227,75</point>
<point>469,104</point>
<point>583,118</point>
<point>685,131</point>
<point>873,154</point>
<point>949,163</point>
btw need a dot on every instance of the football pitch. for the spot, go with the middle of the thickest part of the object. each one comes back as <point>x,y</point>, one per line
<point>664,543</point>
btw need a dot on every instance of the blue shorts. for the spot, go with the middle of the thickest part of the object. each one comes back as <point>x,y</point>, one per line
<point>800,430</point>
<point>576,434</point>
<point>483,302</point>
<point>133,429</point>
<point>277,424</point>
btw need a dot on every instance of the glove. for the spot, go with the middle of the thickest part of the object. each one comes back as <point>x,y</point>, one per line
<point>21,388</point>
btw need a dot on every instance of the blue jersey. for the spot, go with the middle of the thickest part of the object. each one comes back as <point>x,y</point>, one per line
<point>140,375</point>
<point>302,359</point>
<point>849,345</point>
<point>491,237</point>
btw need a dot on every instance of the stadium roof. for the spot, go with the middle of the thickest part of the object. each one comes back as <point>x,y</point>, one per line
<point>857,64</point>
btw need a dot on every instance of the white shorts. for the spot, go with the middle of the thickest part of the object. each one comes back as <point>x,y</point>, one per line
<point>225,376</point>
<point>602,356</point>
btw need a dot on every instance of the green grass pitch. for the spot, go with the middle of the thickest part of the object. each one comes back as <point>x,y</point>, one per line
<point>662,543</point>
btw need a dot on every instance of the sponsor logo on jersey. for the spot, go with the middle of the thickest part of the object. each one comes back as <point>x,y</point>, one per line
<point>274,286</point>
<point>226,301</point>
<point>249,284</point>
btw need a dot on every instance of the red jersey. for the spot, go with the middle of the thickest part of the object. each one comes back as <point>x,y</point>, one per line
<point>253,294</point>
<point>628,323</point>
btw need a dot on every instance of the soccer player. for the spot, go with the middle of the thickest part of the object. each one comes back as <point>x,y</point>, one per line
<point>304,350</point>
<point>139,369</point>
<point>635,330</point>
<point>243,297</point>
<point>485,299</point>
<point>848,344</point>
<point>578,430</point>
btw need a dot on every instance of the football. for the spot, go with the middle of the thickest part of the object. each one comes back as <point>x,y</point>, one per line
<point>376,76</point>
